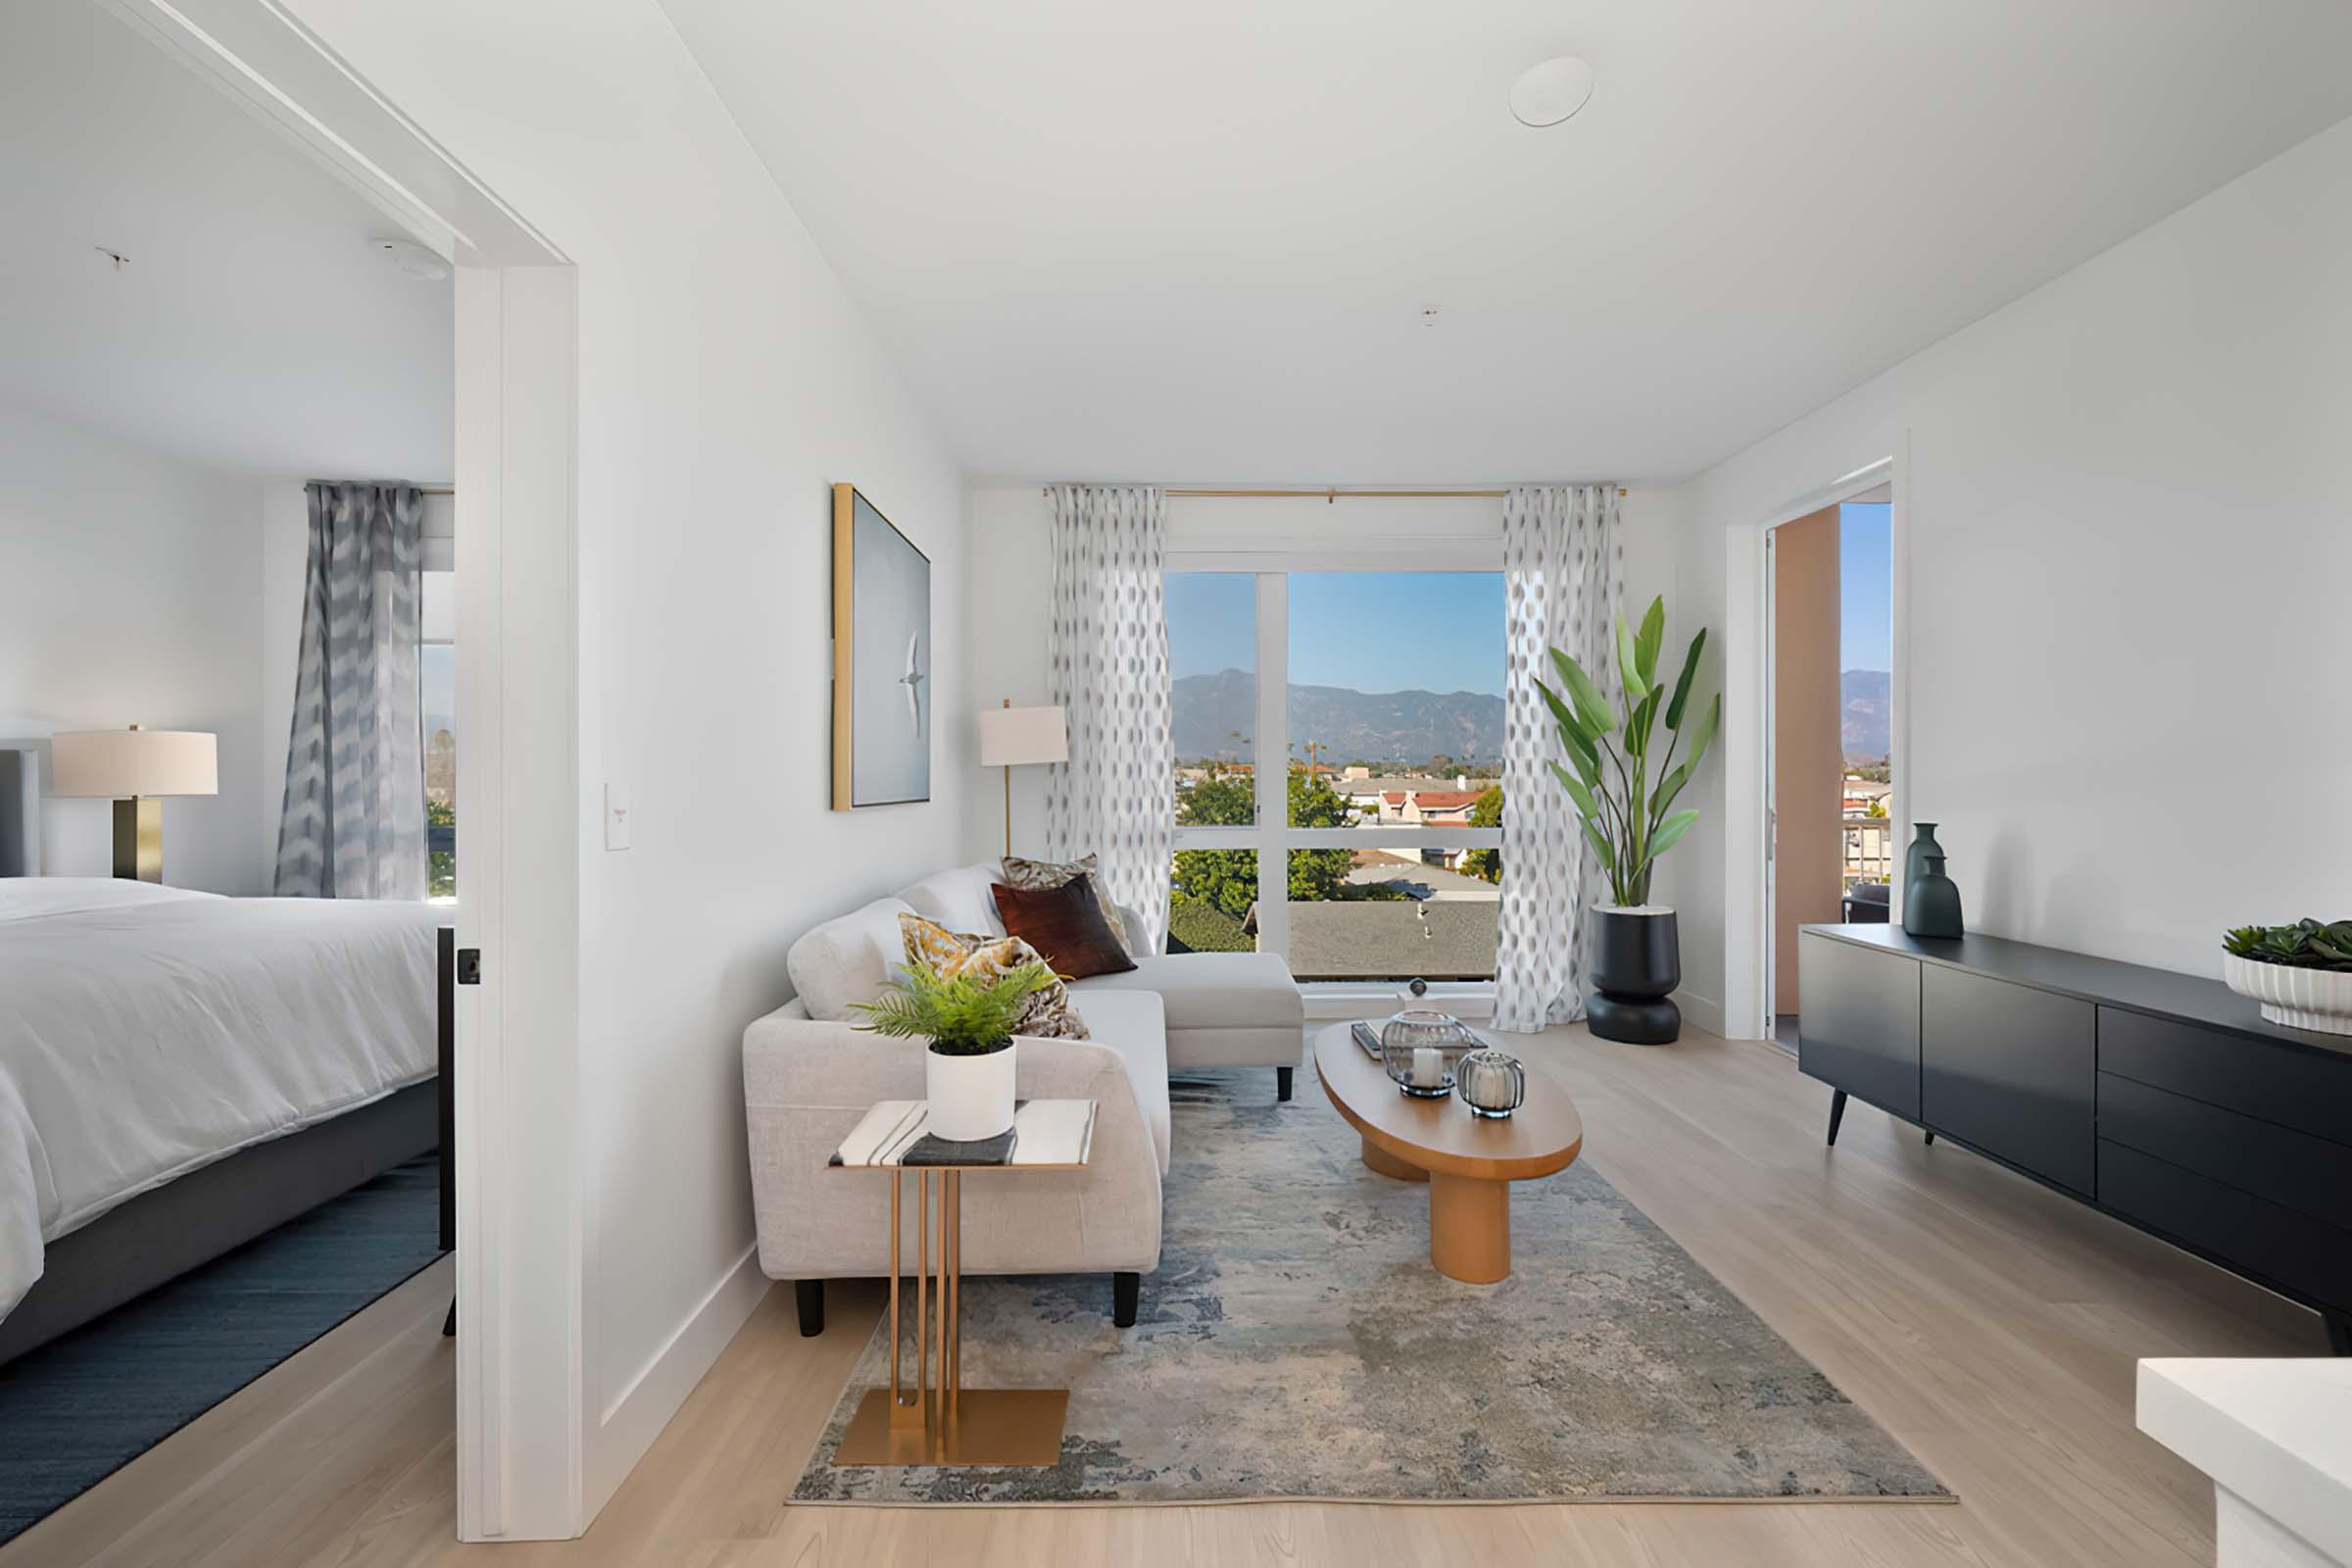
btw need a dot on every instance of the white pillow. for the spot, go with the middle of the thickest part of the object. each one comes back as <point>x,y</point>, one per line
<point>847,960</point>
<point>959,900</point>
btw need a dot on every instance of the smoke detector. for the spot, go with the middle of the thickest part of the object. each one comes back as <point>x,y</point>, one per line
<point>412,259</point>
<point>1548,93</point>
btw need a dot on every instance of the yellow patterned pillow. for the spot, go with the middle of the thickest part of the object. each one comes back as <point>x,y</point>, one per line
<point>1047,1014</point>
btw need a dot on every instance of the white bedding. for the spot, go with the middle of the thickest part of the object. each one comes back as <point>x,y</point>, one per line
<point>146,1031</point>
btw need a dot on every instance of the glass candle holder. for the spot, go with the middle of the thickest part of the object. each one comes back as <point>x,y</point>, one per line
<point>1419,1048</point>
<point>1491,1083</point>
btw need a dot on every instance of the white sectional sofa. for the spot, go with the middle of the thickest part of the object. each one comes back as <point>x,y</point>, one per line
<point>809,1074</point>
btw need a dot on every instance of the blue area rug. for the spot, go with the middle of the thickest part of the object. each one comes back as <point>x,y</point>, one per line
<point>81,1407</point>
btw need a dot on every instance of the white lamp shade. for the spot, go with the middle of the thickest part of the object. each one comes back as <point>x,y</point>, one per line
<point>1013,737</point>
<point>122,762</point>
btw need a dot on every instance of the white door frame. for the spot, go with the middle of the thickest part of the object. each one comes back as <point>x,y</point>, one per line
<point>1747,935</point>
<point>521,1354</point>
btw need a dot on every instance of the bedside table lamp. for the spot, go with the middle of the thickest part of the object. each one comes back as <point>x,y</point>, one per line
<point>1017,737</point>
<point>135,766</point>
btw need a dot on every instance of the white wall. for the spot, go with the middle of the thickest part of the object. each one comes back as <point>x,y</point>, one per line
<point>1011,587</point>
<point>2129,503</point>
<point>725,382</point>
<point>129,592</point>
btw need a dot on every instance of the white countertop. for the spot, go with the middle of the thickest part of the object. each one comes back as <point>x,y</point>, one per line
<point>2276,1433</point>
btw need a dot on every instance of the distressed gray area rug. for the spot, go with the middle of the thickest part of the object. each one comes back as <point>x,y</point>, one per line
<point>1296,1344</point>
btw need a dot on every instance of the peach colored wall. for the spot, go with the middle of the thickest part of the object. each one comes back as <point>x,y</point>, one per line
<point>1808,762</point>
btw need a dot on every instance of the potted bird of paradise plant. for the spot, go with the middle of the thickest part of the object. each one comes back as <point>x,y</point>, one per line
<point>1624,786</point>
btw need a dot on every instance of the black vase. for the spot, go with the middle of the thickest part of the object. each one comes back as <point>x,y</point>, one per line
<point>1636,963</point>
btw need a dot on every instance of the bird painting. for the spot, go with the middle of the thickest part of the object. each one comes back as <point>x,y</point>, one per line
<point>912,680</point>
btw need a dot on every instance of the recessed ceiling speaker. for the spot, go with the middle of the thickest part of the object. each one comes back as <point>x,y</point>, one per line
<point>1548,93</point>
<point>412,259</point>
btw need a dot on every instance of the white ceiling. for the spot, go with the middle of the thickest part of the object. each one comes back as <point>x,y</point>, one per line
<point>254,331</point>
<point>1193,241</point>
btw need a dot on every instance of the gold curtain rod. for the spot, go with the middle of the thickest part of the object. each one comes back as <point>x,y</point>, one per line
<point>1334,494</point>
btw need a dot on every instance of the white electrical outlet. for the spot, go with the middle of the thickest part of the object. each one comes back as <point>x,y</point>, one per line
<point>616,817</point>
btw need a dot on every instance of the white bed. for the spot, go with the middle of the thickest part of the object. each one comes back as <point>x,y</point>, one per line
<point>147,1032</point>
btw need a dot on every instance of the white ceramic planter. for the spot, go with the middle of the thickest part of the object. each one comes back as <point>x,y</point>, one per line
<point>971,1097</point>
<point>2299,999</point>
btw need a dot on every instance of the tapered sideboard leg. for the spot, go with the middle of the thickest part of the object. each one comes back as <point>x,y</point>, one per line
<point>1836,1113</point>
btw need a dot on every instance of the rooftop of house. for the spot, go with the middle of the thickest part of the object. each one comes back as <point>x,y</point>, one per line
<point>1417,881</point>
<point>1394,940</point>
<point>1435,800</point>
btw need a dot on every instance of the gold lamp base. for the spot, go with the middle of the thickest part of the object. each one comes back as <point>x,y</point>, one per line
<point>982,1427</point>
<point>139,838</point>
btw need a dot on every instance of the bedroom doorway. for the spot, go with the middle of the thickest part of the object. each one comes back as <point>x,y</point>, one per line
<point>383,210</point>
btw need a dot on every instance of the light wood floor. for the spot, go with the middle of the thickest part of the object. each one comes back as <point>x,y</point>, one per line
<point>1989,1325</point>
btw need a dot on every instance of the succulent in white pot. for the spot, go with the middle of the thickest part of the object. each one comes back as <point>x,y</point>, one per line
<point>2301,974</point>
<point>967,1024</point>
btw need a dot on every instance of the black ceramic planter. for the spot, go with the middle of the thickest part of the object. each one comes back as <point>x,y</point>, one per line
<point>1636,963</point>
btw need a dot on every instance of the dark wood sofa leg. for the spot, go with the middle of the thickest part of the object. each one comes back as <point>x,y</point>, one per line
<point>810,1296</point>
<point>1836,1113</point>
<point>1124,1291</point>
<point>1282,1082</point>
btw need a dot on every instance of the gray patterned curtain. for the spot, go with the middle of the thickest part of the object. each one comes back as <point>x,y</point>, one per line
<point>1564,572</point>
<point>354,822</point>
<point>1107,668</point>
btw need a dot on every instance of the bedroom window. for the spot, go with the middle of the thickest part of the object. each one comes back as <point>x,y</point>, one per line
<point>1374,857</point>
<point>437,704</point>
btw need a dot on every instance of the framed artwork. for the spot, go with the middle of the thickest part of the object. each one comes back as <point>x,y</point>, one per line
<point>881,658</point>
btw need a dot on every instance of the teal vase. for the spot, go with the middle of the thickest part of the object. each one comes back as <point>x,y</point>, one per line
<point>1932,903</point>
<point>1914,859</point>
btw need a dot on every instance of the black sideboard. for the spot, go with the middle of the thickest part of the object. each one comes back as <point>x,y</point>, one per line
<point>2161,1098</point>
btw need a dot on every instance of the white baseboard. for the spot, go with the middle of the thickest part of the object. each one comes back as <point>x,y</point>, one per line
<point>1704,1011</point>
<point>637,1414</point>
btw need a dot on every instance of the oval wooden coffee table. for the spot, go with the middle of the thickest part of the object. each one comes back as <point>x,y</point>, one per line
<point>1469,1161</point>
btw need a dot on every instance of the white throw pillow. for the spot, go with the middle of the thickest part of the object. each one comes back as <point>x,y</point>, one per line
<point>847,960</point>
<point>959,900</point>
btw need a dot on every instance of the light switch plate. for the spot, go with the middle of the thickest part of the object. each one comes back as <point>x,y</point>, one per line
<point>616,817</point>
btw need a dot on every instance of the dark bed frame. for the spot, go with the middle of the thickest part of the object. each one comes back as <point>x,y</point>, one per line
<point>162,1234</point>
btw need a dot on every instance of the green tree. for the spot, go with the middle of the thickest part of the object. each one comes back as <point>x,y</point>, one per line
<point>1226,880</point>
<point>441,865</point>
<point>1486,812</point>
<point>1317,875</point>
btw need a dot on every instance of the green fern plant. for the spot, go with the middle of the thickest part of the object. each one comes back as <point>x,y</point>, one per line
<point>1623,786</point>
<point>2305,945</point>
<point>961,1016</point>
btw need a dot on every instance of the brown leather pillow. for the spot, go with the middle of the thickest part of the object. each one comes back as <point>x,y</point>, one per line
<point>1065,924</point>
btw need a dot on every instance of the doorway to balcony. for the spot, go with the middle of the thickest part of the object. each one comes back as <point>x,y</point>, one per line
<point>1829,798</point>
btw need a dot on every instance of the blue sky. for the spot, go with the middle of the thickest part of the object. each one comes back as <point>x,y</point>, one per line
<point>1866,583</point>
<point>1370,631</point>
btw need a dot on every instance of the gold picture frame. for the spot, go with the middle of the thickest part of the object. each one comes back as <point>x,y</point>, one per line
<point>881,658</point>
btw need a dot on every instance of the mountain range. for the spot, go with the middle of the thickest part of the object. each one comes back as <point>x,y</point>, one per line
<point>1212,713</point>
<point>1863,705</point>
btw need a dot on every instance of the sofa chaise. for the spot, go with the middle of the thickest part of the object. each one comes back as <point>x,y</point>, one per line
<point>809,1074</point>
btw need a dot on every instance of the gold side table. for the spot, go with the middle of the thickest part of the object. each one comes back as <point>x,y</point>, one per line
<point>939,1421</point>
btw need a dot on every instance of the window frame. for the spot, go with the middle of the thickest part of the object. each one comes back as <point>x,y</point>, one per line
<point>1272,560</point>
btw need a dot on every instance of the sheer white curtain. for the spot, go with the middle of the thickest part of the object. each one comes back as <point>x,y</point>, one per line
<point>1107,648</point>
<point>1564,585</point>
<point>354,822</point>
